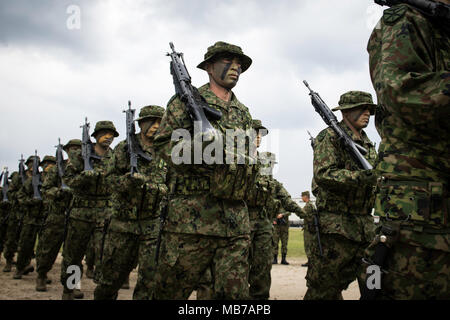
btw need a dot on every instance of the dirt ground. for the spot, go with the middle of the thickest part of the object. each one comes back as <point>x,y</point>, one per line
<point>288,283</point>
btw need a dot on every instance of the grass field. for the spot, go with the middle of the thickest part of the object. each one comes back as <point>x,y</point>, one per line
<point>295,243</point>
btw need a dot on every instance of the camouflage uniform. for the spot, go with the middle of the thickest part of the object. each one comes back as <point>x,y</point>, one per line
<point>409,66</point>
<point>134,223</point>
<point>344,199</point>
<point>207,222</point>
<point>309,232</point>
<point>281,228</point>
<point>89,207</point>
<point>52,234</point>
<point>4,217</point>
<point>32,221</point>
<point>13,229</point>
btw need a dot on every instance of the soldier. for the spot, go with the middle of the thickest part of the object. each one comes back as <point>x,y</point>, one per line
<point>13,229</point>
<point>410,69</point>
<point>280,233</point>
<point>207,220</point>
<point>134,225</point>
<point>4,217</point>
<point>344,200</point>
<point>33,218</point>
<point>90,203</point>
<point>308,224</point>
<point>57,203</point>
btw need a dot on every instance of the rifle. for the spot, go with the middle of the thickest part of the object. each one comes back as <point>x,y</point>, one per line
<point>134,149</point>
<point>196,105</point>
<point>60,164</point>
<point>430,8</point>
<point>355,150</point>
<point>379,259</point>
<point>36,178</point>
<point>87,151</point>
<point>164,205</point>
<point>22,169</point>
<point>5,185</point>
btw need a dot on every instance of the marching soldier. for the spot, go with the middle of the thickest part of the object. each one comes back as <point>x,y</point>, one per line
<point>134,225</point>
<point>344,200</point>
<point>90,203</point>
<point>52,234</point>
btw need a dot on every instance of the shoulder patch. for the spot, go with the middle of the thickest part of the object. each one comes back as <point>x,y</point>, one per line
<point>391,15</point>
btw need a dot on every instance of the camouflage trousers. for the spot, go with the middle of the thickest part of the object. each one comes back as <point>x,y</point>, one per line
<point>12,237</point>
<point>27,241</point>
<point>414,271</point>
<point>50,242</point>
<point>184,259</point>
<point>90,254</point>
<point>145,283</point>
<point>78,235</point>
<point>205,287</point>
<point>120,252</point>
<point>280,232</point>
<point>3,231</point>
<point>340,265</point>
<point>309,236</point>
<point>260,259</point>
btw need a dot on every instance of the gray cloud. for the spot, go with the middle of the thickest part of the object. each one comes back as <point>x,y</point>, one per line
<point>51,77</point>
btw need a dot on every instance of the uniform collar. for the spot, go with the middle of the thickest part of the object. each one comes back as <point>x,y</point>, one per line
<point>212,99</point>
<point>363,136</point>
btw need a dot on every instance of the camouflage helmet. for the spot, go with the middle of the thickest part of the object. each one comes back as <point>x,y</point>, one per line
<point>257,124</point>
<point>305,193</point>
<point>31,159</point>
<point>73,142</point>
<point>354,99</point>
<point>268,156</point>
<point>223,47</point>
<point>48,159</point>
<point>151,111</point>
<point>105,125</point>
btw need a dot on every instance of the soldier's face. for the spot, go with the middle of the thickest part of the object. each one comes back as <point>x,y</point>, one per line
<point>358,117</point>
<point>105,138</point>
<point>47,166</point>
<point>305,198</point>
<point>225,71</point>
<point>150,126</point>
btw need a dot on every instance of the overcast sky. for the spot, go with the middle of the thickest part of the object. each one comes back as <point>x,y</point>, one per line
<point>53,76</point>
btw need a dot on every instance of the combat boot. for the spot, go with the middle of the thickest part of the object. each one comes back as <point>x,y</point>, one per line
<point>126,284</point>
<point>41,284</point>
<point>8,266</point>
<point>275,257</point>
<point>20,273</point>
<point>77,294</point>
<point>283,259</point>
<point>67,296</point>
<point>90,272</point>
